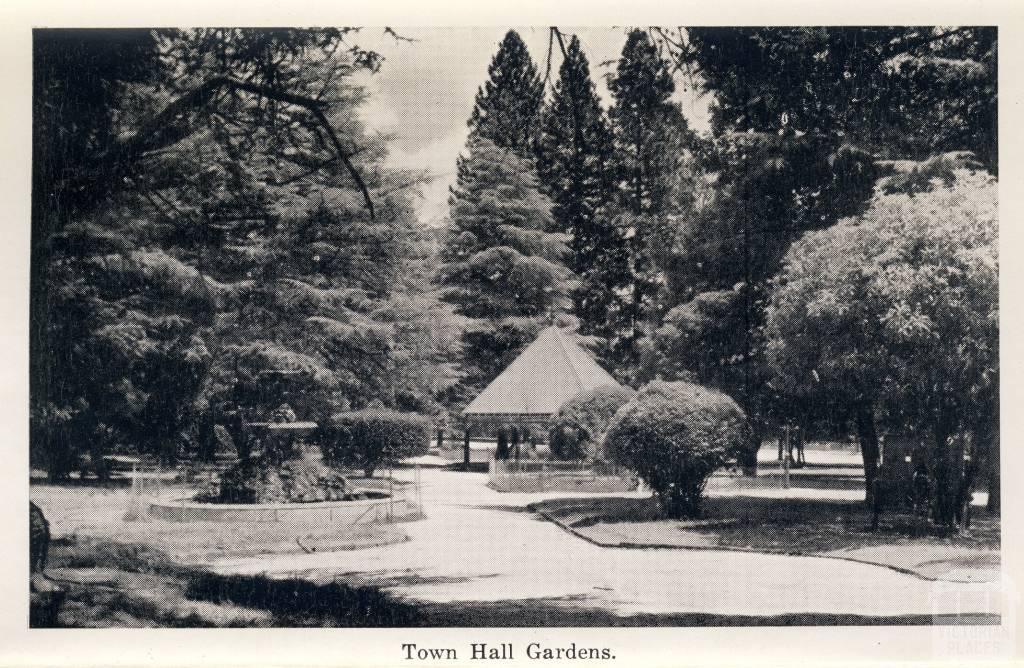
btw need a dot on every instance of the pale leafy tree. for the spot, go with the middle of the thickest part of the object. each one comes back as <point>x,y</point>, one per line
<point>896,313</point>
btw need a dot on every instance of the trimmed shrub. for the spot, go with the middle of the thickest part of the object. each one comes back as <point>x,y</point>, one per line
<point>675,435</point>
<point>370,439</point>
<point>577,429</point>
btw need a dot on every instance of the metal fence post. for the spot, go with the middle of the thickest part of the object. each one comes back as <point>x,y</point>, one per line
<point>785,460</point>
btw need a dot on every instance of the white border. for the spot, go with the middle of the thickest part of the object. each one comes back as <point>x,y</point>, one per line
<point>380,647</point>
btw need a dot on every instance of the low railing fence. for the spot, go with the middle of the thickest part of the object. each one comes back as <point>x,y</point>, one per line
<point>511,467</point>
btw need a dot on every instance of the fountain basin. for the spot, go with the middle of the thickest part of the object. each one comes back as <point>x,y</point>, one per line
<point>362,511</point>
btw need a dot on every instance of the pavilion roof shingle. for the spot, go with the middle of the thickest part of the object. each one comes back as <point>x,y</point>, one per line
<point>546,374</point>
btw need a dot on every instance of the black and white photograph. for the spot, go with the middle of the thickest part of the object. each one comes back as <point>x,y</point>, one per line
<point>545,326</point>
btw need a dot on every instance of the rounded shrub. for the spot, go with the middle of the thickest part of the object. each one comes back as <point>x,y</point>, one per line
<point>577,428</point>
<point>370,439</point>
<point>675,435</point>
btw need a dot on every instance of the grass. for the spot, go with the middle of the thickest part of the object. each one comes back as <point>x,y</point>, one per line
<point>120,573</point>
<point>89,515</point>
<point>806,526</point>
<point>131,586</point>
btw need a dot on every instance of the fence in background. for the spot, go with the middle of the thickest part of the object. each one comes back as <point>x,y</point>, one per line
<point>529,475</point>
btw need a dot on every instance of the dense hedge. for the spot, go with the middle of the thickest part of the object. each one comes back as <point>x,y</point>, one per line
<point>577,428</point>
<point>370,439</point>
<point>675,435</point>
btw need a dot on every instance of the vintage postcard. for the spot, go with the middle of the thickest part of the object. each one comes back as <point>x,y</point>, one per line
<point>511,342</point>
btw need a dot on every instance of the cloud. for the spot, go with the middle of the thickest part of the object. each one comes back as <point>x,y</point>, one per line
<point>437,158</point>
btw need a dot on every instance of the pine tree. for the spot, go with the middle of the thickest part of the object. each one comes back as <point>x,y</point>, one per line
<point>508,105</point>
<point>575,156</point>
<point>650,136</point>
<point>502,264</point>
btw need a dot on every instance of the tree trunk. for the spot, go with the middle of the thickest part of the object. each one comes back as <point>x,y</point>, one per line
<point>465,449</point>
<point>993,475</point>
<point>949,462</point>
<point>747,459</point>
<point>501,449</point>
<point>58,450</point>
<point>868,437</point>
<point>986,438</point>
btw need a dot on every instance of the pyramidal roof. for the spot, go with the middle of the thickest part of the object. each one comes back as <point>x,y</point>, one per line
<point>550,371</point>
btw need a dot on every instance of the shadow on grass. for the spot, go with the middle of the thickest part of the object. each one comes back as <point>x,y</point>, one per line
<point>298,602</point>
<point>787,524</point>
<point>497,506</point>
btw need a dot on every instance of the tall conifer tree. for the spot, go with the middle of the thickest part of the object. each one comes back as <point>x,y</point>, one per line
<point>502,264</point>
<point>650,137</point>
<point>574,161</point>
<point>508,105</point>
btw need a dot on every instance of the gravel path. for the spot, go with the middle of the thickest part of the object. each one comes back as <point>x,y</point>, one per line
<point>480,545</point>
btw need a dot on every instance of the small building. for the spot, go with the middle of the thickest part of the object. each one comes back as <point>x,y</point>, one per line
<point>549,372</point>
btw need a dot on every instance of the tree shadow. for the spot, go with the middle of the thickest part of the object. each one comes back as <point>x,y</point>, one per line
<point>299,602</point>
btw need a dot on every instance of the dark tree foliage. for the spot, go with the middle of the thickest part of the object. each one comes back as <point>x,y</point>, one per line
<point>502,260</point>
<point>650,149</point>
<point>770,189</point>
<point>650,131</point>
<point>508,105</point>
<point>903,92</point>
<point>193,193</point>
<point>575,166</point>
<point>802,119</point>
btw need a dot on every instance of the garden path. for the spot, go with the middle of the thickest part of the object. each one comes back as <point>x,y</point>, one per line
<point>481,545</point>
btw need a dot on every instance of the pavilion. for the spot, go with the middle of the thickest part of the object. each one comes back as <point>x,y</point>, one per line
<point>549,372</point>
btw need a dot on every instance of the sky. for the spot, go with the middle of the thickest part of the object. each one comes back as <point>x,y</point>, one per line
<point>423,93</point>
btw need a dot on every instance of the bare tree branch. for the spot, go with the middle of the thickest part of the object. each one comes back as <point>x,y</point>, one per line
<point>169,127</point>
<point>398,38</point>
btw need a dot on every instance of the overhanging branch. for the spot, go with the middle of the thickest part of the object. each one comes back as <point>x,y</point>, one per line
<point>168,127</point>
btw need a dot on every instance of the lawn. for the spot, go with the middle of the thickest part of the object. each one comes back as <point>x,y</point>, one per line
<point>91,514</point>
<point>121,573</point>
<point>126,585</point>
<point>806,526</point>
